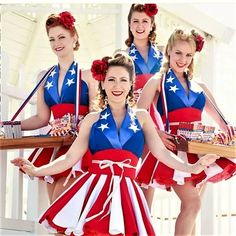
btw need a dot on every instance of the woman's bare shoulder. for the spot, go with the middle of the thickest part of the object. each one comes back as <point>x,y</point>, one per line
<point>141,114</point>
<point>92,116</point>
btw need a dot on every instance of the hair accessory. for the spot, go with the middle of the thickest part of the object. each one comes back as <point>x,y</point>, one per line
<point>99,69</point>
<point>199,40</point>
<point>67,19</point>
<point>150,9</point>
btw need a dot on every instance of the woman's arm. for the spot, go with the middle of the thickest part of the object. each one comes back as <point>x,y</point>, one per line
<point>158,149</point>
<point>92,86</point>
<point>150,91</point>
<point>210,109</point>
<point>42,116</point>
<point>75,153</point>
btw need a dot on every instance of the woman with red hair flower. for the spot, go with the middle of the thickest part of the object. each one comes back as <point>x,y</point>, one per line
<point>146,56</point>
<point>179,98</point>
<point>66,89</point>
<point>106,200</point>
<point>142,43</point>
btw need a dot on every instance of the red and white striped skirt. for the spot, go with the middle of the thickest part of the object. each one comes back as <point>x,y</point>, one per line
<point>104,201</point>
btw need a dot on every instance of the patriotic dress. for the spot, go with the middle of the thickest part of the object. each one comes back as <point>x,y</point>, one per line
<point>144,71</point>
<point>74,99</point>
<point>105,200</point>
<point>181,108</point>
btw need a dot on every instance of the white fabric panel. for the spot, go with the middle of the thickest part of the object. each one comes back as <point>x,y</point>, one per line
<point>95,193</point>
<point>68,216</point>
<point>214,169</point>
<point>117,225</point>
<point>138,215</point>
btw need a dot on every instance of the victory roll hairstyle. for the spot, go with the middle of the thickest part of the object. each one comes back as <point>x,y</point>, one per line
<point>99,69</point>
<point>66,20</point>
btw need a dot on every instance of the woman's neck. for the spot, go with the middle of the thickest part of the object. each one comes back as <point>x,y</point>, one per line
<point>142,46</point>
<point>65,62</point>
<point>180,75</point>
<point>141,43</point>
<point>117,108</point>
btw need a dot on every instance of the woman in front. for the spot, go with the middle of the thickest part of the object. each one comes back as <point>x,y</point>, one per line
<point>106,200</point>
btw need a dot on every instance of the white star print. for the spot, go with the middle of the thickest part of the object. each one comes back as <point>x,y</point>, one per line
<point>104,126</point>
<point>169,71</point>
<point>49,85</point>
<point>173,88</point>
<point>133,50</point>
<point>170,80</point>
<point>72,71</point>
<point>53,73</point>
<point>134,127</point>
<point>156,55</point>
<point>132,115</point>
<point>70,82</point>
<point>104,117</point>
<point>134,57</point>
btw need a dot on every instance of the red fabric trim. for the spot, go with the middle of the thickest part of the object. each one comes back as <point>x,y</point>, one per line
<point>115,155</point>
<point>59,110</point>
<point>141,80</point>
<point>187,114</point>
<point>98,225</point>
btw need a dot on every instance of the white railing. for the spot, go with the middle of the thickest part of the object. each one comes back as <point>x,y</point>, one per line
<point>19,198</point>
<point>217,217</point>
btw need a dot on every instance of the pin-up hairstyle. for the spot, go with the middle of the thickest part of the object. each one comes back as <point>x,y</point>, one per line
<point>99,69</point>
<point>192,37</point>
<point>66,20</point>
<point>151,10</point>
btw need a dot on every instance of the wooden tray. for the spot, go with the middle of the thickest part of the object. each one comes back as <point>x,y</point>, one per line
<point>205,148</point>
<point>36,141</point>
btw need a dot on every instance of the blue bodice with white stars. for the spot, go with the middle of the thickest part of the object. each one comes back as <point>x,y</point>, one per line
<point>153,63</point>
<point>69,87</point>
<point>104,134</point>
<point>176,96</point>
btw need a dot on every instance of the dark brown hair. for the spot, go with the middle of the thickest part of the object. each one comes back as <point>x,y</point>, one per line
<point>122,59</point>
<point>140,8</point>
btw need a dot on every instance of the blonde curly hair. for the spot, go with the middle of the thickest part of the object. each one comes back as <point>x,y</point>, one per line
<point>179,35</point>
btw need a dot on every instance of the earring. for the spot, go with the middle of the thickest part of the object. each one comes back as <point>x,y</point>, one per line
<point>127,99</point>
<point>105,101</point>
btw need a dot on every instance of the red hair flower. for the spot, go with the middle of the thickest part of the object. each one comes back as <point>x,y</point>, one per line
<point>99,69</point>
<point>67,19</point>
<point>150,9</point>
<point>199,43</point>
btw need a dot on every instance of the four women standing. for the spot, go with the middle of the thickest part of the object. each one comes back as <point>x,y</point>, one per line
<point>58,95</point>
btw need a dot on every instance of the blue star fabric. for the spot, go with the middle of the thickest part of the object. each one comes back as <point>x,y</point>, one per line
<point>104,134</point>
<point>154,61</point>
<point>68,92</point>
<point>176,96</point>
